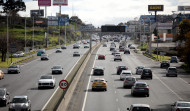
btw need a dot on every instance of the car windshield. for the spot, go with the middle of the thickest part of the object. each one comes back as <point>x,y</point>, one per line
<point>140,85</point>
<point>130,79</point>
<point>164,61</point>
<point>13,66</point>
<point>76,52</point>
<point>147,70</point>
<point>98,80</point>
<point>2,92</point>
<point>19,100</point>
<point>140,67</point>
<point>126,73</point>
<point>183,104</point>
<point>141,109</point>
<point>56,67</point>
<point>19,52</point>
<point>172,69</point>
<point>46,77</point>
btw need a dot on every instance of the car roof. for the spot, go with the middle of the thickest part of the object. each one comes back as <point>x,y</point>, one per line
<point>140,105</point>
<point>130,77</point>
<point>182,102</point>
<point>172,67</point>
<point>3,89</point>
<point>46,75</point>
<point>147,68</point>
<point>20,96</point>
<point>57,65</point>
<point>126,71</point>
<point>99,79</point>
<point>98,67</point>
<point>140,83</point>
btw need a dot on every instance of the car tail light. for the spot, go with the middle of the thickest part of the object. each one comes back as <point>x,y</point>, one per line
<point>104,83</point>
<point>125,81</point>
<point>177,109</point>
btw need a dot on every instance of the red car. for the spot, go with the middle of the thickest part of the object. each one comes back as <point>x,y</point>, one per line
<point>101,57</point>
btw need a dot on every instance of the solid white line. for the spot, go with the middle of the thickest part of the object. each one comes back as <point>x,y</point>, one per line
<point>184,80</point>
<point>86,93</point>
<point>169,88</point>
<point>58,86</point>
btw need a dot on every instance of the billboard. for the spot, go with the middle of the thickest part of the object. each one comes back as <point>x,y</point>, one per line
<point>155,7</point>
<point>113,28</point>
<point>63,20</point>
<point>36,13</point>
<point>60,2</point>
<point>44,2</point>
<point>183,8</point>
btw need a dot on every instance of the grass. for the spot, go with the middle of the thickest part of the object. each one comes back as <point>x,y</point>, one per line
<point>5,65</point>
<point>161,58</point>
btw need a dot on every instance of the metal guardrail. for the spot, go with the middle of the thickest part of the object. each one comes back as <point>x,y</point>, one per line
<point>25,58</point>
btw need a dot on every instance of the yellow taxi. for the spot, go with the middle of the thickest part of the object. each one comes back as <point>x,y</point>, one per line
<point>99,84</point>
<point>1,74</point>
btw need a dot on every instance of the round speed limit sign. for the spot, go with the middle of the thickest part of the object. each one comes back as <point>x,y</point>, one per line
<point>63,84</point>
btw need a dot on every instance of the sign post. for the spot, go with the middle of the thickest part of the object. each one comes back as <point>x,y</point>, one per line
<point>63,84</point>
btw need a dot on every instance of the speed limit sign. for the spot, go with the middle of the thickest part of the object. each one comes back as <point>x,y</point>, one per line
<point>63,84</point>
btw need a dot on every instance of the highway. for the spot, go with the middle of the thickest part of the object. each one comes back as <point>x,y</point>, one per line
<point>164,91</point>
<point>26,83</point>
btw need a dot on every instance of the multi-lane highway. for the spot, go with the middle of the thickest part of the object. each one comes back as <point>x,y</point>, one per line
<point>26,82</point>
<point>163,90</point>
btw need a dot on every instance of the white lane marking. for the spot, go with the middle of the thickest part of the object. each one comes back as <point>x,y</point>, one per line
<point>169,88</point>
<point>117,100</point>
<point>86,93</point>
<point>184,80</point>
<point>118,109</point>
<point>115,92</point>
<point>58,86</point>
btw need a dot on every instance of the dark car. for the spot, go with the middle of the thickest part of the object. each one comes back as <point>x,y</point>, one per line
<point>140,88</point>
<point>13,69</point>
<point>98,71</point>
<point>20,103</point>
<point>102,57</point>
<point>4,97</point>
<point>165,64</point>
<point>146,73</point>
<point>76,54</point>
<point>126,51</point>
<point>63,47</point>
<point>174,59</point>
<point>121,49</point>
<point>120,68</point>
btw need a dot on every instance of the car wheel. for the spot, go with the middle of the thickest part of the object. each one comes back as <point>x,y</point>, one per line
<point>151,78</point>
<point>92,89</point>
<point>114,59</point>
<point>106,89</point>
<point>166,75</point>
<point>176,76</point>
<point>147,95</point>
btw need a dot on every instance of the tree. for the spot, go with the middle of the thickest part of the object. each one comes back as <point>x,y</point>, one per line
<point>184,35</point>
<point>12,6</point>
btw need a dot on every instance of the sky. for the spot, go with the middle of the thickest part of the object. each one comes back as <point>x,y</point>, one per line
<point>101,12</point>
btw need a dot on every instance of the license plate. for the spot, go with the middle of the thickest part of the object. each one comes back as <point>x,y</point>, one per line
<point>141,89</point>
<point>146,73</point>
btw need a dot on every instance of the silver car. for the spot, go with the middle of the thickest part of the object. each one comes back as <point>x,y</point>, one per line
<point>180,106</point>
<point>57,69</point>
<point>139,69</point>
<point>20,103</point>
<point>44,57</point>
<point>13,69</point>
<point>18,54</point>
<point>172,71</point>
<point>4,97</point>
<point>129,81</point>
<point>125,73</point>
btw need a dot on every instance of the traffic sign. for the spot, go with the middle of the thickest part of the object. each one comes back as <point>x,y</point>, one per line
<point>63,84</point>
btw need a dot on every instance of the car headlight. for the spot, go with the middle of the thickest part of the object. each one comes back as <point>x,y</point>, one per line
<point>25,105</point>
<point>11,106</point>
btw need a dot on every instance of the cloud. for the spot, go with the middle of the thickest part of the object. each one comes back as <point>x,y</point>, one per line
<point>100,12</point>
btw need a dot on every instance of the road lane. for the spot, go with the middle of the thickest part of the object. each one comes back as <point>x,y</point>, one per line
<point>25,83</point>
<point>163,90</point>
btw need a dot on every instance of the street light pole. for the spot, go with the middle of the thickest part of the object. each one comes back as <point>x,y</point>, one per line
<point>25,34</point>
<point>7,39</point>
<point>33,35</point>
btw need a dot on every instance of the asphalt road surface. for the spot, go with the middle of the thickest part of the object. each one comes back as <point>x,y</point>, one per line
<point>163,90</point>
<point>26,83</point>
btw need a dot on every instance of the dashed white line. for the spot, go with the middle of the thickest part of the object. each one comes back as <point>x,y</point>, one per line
<point>117,100</point>
<point>184,80</point>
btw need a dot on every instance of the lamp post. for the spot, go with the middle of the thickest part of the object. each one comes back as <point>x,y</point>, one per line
<point>150,39</point>
<point>7,39</point>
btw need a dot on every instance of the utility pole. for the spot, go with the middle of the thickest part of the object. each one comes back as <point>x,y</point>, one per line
<point>7,39</point>
<point>25,34</point>
<point>33,35</point>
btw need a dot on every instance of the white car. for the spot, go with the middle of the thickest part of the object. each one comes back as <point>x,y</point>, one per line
<point>125,73</point>
<point>46,81</point>
<point>180,106</point>
<point>58,50</point>
<point>18,54</point>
